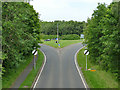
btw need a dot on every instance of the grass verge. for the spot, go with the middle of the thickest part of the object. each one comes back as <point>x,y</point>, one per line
<point>98,78</point>
<point>0,83</point>
<point>31,76</point>
<point>8,80</point>
<point>63,43</point>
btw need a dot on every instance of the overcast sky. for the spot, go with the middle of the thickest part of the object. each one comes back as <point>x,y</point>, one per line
<point>77,10</point>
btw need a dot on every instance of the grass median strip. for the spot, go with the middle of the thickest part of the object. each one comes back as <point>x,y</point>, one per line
<point>98,78</point>
<point>63,43</point>
<point>10,78</point>
<point>31,76</point>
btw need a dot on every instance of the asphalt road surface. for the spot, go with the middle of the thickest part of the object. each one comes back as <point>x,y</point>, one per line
<point>60,70</point>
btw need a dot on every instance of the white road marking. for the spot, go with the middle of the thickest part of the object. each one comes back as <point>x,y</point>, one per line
<point>41,70</point>
<point>78,67</point>
<point>75,64</point>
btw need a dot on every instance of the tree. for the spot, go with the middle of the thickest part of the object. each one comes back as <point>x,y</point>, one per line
<point>102,35</point>
<point>65,27</point>
<point>93,33</point>
<point>21,32</point>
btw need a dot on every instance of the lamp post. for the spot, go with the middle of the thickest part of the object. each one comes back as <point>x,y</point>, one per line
<point>57,32</point>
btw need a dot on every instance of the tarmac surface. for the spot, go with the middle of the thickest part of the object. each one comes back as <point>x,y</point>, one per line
<point>60,70</point>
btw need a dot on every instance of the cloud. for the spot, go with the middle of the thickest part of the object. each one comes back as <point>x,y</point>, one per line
<point>66,9</point>
<point>89,1</point>
<point>62,3</point>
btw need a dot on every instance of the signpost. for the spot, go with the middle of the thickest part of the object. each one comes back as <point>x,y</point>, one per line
<point>86,52</point>
<point>34,52</point>
<point>59,45</point>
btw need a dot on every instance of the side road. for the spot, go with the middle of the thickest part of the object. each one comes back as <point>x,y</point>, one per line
<point>23,75</point>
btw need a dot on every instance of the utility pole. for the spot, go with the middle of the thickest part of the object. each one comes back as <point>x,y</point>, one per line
<point>57,32</point>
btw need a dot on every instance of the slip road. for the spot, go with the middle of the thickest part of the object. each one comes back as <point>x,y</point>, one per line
<point>60,69</point>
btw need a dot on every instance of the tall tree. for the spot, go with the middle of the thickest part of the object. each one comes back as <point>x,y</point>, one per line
<point>21,32</point>
<point>65,27</point>
<point>93,32</point>
<point>102,36</point>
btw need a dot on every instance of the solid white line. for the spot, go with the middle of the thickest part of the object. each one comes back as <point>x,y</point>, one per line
<point>41,70</point>
<point>78,67</point>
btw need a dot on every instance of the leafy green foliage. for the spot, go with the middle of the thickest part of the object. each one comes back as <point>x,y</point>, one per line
<point>21,32</point>
<point>97,79</point>
<point>64,27</point>
<point>48,36</point>
<point>102,35</point>
<point>70,37</point>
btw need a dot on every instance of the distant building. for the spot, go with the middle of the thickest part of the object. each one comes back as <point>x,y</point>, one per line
<point>82,36</point>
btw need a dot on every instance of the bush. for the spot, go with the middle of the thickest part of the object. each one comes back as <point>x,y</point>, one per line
<point>70,37</point>
<point>49,36</point>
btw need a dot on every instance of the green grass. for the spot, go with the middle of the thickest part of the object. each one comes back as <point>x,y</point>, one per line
<point>0,84</point>
<point>31,76</point>
<point>97,79</point>
<point>9,79</point>
<point>63,43</point>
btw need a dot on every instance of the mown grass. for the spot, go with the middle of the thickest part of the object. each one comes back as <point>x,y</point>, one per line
<point>31,76</point>
<point>9,79</point>
<point>63,43</point>
<point>98,78</point>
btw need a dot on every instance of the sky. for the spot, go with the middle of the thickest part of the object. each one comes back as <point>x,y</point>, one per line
<point>76,10</point>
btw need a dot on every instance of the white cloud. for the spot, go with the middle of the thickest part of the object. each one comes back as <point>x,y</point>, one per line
<point>88,1</point>
<point>64,10</point>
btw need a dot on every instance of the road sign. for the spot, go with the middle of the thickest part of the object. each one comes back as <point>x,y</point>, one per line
<point>56,38</point>
<point>86,52</point>
<point>59,45</point>
<point>34,52</point>
<point>82,36</point>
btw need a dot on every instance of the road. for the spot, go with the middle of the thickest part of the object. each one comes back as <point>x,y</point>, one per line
<point>60,70</point>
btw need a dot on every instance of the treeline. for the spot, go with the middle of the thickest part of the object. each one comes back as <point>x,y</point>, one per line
<point>20,33</point>
<point>64,27</point>
<point>102,35</point>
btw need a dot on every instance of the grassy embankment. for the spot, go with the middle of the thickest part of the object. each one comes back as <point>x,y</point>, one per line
<point>0,83</point>
<point>9,79</point>
<point>98,78</point>
<point>63,43</point>
<point>31,76</point>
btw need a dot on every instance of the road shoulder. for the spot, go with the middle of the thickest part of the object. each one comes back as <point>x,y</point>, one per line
<point>40,71</point>
<point>79,70</point>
